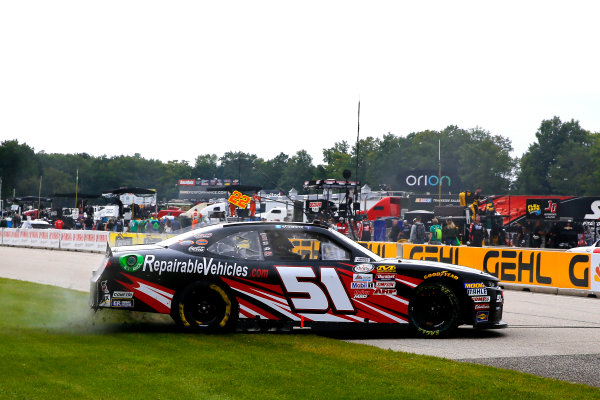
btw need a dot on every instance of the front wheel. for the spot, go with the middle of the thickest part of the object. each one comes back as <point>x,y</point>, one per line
<point>207,307</point>
<point>434,310</point>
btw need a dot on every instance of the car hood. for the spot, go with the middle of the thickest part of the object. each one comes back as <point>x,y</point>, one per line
<point>136,248</point>
<point>443,267</point>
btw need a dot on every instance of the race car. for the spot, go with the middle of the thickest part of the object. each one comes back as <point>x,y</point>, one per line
<point>218,277</point>
<point>594,248</point>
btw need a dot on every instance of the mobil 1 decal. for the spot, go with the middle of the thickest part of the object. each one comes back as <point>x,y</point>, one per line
<point>318,293</point>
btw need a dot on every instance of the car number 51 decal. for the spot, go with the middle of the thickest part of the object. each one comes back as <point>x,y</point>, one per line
<point>315,293</point>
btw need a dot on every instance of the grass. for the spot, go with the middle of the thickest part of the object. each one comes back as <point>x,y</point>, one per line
<point>53,347</point>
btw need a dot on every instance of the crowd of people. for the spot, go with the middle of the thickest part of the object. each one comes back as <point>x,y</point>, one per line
<point>482,230</point>
<point>531,234</point>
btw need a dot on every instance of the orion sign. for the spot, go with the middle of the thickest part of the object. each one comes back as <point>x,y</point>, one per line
<point>427,180</point>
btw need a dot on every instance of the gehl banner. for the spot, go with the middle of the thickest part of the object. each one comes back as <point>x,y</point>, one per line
<point>527,267</point>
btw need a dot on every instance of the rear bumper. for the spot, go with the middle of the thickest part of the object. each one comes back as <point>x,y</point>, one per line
<point>94,301</point>
<point>492,325</point>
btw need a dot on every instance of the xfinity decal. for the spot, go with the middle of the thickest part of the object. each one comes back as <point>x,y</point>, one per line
<point>363,268</point>
<point>203,267</point>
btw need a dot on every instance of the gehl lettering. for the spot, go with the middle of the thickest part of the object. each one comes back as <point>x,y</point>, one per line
<point>512,262</point>
<point>191,266</point>
<point>445,254</point>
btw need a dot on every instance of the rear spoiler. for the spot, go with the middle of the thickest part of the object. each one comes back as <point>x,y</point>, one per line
<point>108,250</point>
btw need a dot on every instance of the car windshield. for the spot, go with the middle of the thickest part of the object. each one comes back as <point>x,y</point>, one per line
<point>351,243</point>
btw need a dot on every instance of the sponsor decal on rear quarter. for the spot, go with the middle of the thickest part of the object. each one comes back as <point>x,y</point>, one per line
<point>362,278</point>
<point>363,268</point>
<point>477,292</point>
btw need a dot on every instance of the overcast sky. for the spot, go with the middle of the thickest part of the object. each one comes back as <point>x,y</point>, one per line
<point>172,80</point>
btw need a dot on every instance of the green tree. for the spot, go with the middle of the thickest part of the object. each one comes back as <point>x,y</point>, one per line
<point>550,166</point>
<point>299,169</point>
<point>19,169</point>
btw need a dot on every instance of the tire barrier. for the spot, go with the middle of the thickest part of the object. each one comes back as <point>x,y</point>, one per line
<point>529,268</point>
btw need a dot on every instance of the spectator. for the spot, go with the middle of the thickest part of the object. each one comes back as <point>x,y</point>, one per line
<point>27,223</point>
<point>395,231</point>
<point>149,226</point>
<point>450,233</point>
<point>366,230</point>
<point>435,232</point>
<point>417,232</point>
<point>89,223</point>
<point>538,235</point>
<point>175,225</point>
<point>110,225</point>
<point>119,226</point>
<point>477,233</point>
<point>168,226</point>
<point>59,224</point>
<point>405,230</point>
<point>523,238</point>
<point>133,226</point>
<point>342,227</point>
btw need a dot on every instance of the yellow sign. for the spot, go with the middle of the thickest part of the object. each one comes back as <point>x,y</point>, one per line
<point>129,239</point>
<point>306,246</point>
<point>382,249</point>
<point>238,199</point>
<point>512,265</point>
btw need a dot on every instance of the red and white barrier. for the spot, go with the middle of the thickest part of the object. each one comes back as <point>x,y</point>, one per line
<point>55,239</point>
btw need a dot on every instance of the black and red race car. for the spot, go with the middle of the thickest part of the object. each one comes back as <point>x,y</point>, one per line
<point>291,274</point>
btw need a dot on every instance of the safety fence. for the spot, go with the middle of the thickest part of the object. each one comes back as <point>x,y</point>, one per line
<point>55,239</point>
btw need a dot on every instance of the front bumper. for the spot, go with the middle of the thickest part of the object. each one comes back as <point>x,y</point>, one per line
<point>488,315</point>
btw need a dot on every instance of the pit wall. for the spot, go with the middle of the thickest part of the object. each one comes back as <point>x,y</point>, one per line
<point>93,241</point>
<point>551,271</point>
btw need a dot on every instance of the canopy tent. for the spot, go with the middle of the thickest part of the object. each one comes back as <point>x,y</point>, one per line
<point>130,190</point>
<point>78,195</point>
<point>29,199</point>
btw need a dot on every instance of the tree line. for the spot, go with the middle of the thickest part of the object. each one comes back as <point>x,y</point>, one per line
<point>559,162</point>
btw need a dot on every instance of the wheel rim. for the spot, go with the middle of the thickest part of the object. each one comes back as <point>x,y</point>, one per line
<point>205,307</point>
<point>434,310</point>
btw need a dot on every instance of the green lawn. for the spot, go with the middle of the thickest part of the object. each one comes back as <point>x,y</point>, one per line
<point>53,347</point>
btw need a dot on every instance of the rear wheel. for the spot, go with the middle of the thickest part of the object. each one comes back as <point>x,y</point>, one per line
<point>205,306</point>
<point>434,310</point>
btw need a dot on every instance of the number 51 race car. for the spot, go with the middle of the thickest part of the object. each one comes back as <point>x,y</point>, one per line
<point>290,274</point>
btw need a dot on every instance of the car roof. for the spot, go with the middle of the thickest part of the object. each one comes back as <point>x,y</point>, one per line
<point>276,223</point>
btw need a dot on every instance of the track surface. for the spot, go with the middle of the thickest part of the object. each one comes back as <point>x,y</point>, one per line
<point>548,335</point>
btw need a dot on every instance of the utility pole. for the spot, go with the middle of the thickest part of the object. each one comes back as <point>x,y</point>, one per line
<point>76,186</point>
<point>39,197</point>
<point>440,172</point>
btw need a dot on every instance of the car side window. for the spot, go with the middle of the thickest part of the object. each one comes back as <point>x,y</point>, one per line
<point>283,245</point>
<point>243,245</point>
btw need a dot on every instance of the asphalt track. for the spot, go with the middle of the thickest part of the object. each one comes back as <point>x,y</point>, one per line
<point>548,335</point>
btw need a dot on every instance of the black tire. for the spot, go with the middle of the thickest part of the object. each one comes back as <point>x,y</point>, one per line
<point>434,310</point>
<point>206,307</point>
